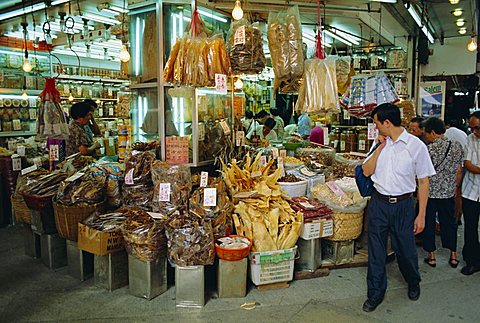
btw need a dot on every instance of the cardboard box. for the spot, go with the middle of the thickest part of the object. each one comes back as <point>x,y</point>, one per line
<point>319,228</point>
<point>99,243</point>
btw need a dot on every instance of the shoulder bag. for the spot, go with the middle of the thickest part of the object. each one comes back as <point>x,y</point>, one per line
<point>364,183</point>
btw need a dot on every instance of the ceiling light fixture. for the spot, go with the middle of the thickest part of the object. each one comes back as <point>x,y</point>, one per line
<point>124,54</point>
<point>70,97</point>
<point>472,44</point>
<point>345,36</point>
<point>100,19</point>
<point>329,33</point>
<point>419,22</point>
<point>27,10</point>
<point>211,15</point>
<point>462,31</point>
<point>460,22</point>
<point>26,66</point>
<point>454,1</point>
<point>24,95</point>
<point>457,12</point>
<point>237,12</point>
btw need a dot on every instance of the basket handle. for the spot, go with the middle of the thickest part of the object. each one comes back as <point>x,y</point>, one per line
<point>297,254</point>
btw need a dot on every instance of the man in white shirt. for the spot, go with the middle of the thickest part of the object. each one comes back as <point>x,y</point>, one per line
<point>264,132</point>
<point>456,134</point>
<point>471,197</point>
<point>400,159</point>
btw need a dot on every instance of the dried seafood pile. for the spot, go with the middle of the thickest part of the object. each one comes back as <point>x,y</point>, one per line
<point>106,222</point>
<point>138,187</point>
<point>85,190</point>
<point>261,211</point>
<point>45,185</point>
<point>144,236</point>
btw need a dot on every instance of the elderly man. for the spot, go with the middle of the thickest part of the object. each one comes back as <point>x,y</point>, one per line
<point>416,129</point>
<point>399,161</point>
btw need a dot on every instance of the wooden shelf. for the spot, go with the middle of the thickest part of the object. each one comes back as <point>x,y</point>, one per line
<point>92,79</point>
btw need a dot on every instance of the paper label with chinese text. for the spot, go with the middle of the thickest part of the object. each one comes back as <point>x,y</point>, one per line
<point>335,188</point>
<point>221,83</point>
<point>164,195</point>
<point>29,169</point>
<point>239,38</point>
<point>21,150</point>
<point>240,138</point>
<point>204,179</point>
<point>54,153</point>
<point>129,177</point>
<point>17,125</point>
<point>372,131</point>
<point>210,197</point>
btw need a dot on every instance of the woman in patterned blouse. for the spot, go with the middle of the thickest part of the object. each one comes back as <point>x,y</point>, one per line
<point>447,156</point>
<point>78,140</point>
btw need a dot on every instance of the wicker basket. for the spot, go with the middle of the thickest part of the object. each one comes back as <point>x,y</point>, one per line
<point>346,226</point>
<point>68,217</point>
<point>38,202</point>
<point>22,212</point>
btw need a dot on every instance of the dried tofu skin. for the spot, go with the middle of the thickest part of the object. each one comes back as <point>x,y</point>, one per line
<point>318,93</point>
<point>168,72</point>
<point>179,62</point>
<point>278,45</point>
<point>295,43</point>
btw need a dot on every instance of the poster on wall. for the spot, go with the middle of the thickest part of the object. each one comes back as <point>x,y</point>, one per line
<point>432,99</point>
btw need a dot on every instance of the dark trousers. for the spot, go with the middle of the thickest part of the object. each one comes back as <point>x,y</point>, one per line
<point>398,219</point>
<point>471,249</point>
<point>448,224</point>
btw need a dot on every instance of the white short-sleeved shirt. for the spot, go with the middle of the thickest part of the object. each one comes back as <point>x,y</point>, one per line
<point>400,163</point>
<point>471,181</point>
<point>272,135</point>
<point>457,135</point>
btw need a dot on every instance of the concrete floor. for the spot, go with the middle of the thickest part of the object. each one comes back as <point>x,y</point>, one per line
<point>31,292</point>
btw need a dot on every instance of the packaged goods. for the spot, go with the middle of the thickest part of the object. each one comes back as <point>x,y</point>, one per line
<point>172,186</point>
<point>144,236</point>
<point>138,185</point>
<point>84,190</point>
<point>51,120</point>
<point>340,195</point>
<point>245,48</point>
<point>75,163</point>
<point>112,173</point>
<point>309,207</point>
<point>343,72</point>
<point>318,93</point>
<point>45,185</point>
<point>345,164</point>
<point>190,240</point>
<point>323,156</point>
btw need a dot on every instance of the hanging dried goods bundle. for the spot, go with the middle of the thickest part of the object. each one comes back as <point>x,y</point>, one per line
<point>318,93</point>
<point>51,120</point>
<point>344,73</point>
<point>245,48</point>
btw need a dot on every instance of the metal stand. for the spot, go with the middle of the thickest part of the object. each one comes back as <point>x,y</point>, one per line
<point>190,286</point>
<point>310,255</point>
<point>80,263</point>
<point>54,251</point>
<point>147,279</point>
<point>31,242</point>
<point>111,271</point>
<point>232,278</point>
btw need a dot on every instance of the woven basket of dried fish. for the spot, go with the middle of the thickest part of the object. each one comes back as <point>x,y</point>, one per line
<point>67,217</point>
<point>22,212</point>
<point>346,226</point>
<point>38,202</point>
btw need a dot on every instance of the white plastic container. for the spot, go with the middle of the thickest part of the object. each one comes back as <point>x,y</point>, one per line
<point>295,189</point>
<point>269,267</point>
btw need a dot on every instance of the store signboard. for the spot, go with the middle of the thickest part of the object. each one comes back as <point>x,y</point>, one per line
<point>176,150</point>
<point>431,99</point>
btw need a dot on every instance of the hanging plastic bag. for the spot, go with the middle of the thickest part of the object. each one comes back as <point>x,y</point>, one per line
<point>51,120</point>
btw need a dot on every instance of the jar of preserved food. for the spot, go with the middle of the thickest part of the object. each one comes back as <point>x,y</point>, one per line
<point>351,141</point>
<point>376,59</point>
<point>362,141</point>
<point>360,60</point>
<point>333,138</point>
<point>343,142</point>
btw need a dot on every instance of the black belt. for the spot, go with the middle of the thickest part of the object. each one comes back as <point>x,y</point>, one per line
<point>393,199</point>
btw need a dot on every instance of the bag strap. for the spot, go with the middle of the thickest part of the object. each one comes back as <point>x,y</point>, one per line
<point>446,154</point>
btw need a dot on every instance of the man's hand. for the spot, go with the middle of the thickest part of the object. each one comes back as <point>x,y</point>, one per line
<point>419,224</point>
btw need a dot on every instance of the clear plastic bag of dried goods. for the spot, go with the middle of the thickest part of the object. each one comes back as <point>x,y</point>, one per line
<point>218,61</point>
<point>105,221</point>
<point>245,48</point>
<point>277,35</point>
<point>84,190</point>
<point>172,186</point>
<point>295,42</point>
<point>190,241</point>
<point>51,121</point>
<point>345,164</point>
<point>144,236</point>
<point>318,93</point>
<point>137,167</point>
<point>343,72</point>
<point>113,174</point>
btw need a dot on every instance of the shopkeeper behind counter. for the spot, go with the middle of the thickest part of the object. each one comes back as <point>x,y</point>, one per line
<point>264,132</point>
<point>79,141</point>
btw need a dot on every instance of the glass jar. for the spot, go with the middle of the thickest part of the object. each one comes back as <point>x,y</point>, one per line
<point>360,60</point>
<point>362,141</point>
<point>333,138</point>
<point>376,59</point>
<point>351,141</point>
<point>396,58</point>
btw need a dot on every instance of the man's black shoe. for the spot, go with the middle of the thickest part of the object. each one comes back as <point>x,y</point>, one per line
<point>414,292</point>
<point>470,270</point>
<point>370,304</point>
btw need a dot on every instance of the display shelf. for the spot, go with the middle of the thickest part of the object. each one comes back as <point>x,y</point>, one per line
<point>144,85</point>
<point>346,126</point>
<point>386,70</point>
<point>94,99</point>
<point>91,79</point>
<point>18,92</point>
<point>17,133</point>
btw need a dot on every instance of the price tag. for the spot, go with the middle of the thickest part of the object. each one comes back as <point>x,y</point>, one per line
<point>225,127</point>
<point>79,91</point>
<point>275,152</point>
<point>398,86</point>
<point>111,141</point>
<point>29,81</point>
<point>11,145</point>
<point>342,145</point>
<point>32,113</point>
<point>239,37</point>
<point>372,132</point>
<point>164,195</point>
<point>66,89</point>
<point>53,153</point>
<point>100,112</point>
<point>346,115</point>
<point>326,139</point>
<point>29,169</point>
<point>221,83</point>
<point>335,188</point>
<point>204,179</point>
<point>263,161</point>
<point>362,145</point>
<point>158,216</point>
<point>210,197</point>
<point>374,61</point>
<point>240,138</point>
<point>280,165</point>
<point>16,164</point>
<point>280,161</point>
<point>327,228</point>
<point>102,151</point>
<point>201,131</point>
<point>110,112</point>
<point>283,153</point>
<point>21,150</point>
<point>74,177</point>
<point>17,125</point>
<point>129,177</point>
<point>110,92</point>
<point>32,103</point>
<point>37,161</point>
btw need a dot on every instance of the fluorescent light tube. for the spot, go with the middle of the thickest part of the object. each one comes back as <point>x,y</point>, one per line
<point>345,36</point>
<point>103,20</point>
<point>211,15</point>
<point>329,33</point>
<point>28,9</point>
<point>31,34</point>
<point>420,24</point>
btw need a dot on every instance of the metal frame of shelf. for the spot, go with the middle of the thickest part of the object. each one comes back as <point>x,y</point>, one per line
<point>17,133</point>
